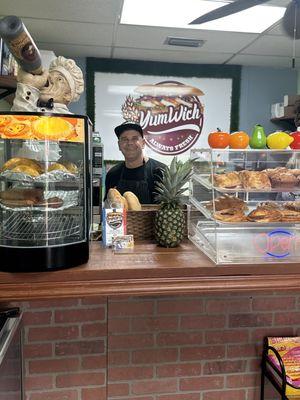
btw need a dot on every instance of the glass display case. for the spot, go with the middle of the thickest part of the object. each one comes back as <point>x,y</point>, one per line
<point>245,205</point>
<point>45,191</point>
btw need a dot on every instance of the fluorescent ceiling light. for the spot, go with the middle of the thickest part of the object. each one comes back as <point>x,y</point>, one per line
<point>179,13</point>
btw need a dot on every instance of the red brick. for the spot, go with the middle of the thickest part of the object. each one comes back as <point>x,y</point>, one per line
<point>130,308</point>
<point>132,398</point>
<point>117,389</point>
<point>225,395</point>
<point>179,396</point>
<point>179,369</point>
<point>129,373</point>
<point>202,353</point>
<point>38,382</point>
<point>287,318</point>
<point>53,365</point>
<point>203,322</point>
<point>118,357</point>
<point>37,317</point>
<point>60,303</point>
<point>180,306</point>
<point>133,341</point>
<point>228,305</point>
<point>224,367</point>
<point>154,324</point>
<point>250,320</point>
<point>226,336</point>
<point>94,330</point>
<point>242,351</point>
<point>119,325</point>
<point>155,386</point>
<point>80,379</point>
<point>53,333</point>
<point>254,364</point>
<point>154,356</point>
<point>97,301</point>
<point>179,338</point>
<point>37,350</point>
<point>79,347</point>
<point>201,383</point>
<point>272,303</point>
<point>80,315</point>
<point>258,335</point>
<point>94,362</point>
<point>243,380</point>
<point>57,395</point>
<point>93,394</point>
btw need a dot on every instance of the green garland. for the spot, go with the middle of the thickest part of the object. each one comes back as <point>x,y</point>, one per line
<point>94,65</point>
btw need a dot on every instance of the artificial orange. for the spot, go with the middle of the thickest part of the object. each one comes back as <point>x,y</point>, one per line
<point>239,140</point>
<point>218,139</point>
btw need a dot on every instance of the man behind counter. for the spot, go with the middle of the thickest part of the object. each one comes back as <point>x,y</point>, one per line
<point>137,173</point>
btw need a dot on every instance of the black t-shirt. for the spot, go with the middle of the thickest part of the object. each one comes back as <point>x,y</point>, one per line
<point>152,168</point>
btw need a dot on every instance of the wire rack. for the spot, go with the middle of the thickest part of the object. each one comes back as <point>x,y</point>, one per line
<point>43,227</point>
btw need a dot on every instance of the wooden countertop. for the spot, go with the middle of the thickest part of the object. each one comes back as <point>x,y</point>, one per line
<point>148,270</point>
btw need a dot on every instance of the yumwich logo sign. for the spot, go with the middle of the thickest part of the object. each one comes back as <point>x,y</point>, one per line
<point>170,113</point>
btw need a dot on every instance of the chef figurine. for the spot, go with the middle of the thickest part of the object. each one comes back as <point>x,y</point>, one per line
<point>51,91</point>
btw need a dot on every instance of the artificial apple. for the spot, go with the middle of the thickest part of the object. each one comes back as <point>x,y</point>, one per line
<point>295,145</point>
<point>218,139</point>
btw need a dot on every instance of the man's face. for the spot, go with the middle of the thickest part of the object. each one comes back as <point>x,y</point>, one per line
<point>131,145</point>
<point>58,89</point>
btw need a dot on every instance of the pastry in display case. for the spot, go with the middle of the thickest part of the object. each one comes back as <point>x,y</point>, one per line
<point>45,191</point>
<point>245,205</point>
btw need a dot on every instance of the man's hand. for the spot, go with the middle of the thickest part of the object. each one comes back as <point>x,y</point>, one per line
<point>37,81</point>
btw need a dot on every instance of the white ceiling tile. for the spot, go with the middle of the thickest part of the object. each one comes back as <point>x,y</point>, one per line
<point>70,32</point>
<point>77,51</point>
<point>153,38</point>
<point>96,11</point>
<point>273,45</point>
<point>170,56</point>
<point>264,61</point>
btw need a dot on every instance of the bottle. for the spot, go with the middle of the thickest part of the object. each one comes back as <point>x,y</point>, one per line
<point>258,139</point>
<point>21,44</point>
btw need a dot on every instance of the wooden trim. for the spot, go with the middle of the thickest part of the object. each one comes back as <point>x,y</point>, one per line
<point>149,270</point>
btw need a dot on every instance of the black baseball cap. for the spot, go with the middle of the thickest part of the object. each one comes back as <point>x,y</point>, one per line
<point>127,126</point>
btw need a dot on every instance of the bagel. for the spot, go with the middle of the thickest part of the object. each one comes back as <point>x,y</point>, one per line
<point>133,201</point>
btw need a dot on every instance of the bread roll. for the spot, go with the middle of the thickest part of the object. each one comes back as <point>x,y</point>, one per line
<point>15,161</point>
<point>71,167</point>
<point>115,198</point>
<point>133,201</point>
<point>57,167</point>
<point>26,169</point>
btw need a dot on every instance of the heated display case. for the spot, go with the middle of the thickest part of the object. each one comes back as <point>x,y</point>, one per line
<point>246,205</point>
<point>45,186</point>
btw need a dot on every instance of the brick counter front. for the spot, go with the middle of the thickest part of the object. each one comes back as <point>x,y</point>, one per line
<point>202,347</point>
<point>194,333</point>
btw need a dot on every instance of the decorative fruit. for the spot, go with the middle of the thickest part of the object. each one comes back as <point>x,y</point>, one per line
<point>169,220</point>
<point>258,139</point>
<point>295,145</point>
<point>218,139</point>
<point>279,140</point>
<point>238,140</point>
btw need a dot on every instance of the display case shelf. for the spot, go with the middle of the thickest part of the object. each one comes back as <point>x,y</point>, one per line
<point>245,225</point>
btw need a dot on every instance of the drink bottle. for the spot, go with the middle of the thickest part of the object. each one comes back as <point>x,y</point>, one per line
<point>21,44</point>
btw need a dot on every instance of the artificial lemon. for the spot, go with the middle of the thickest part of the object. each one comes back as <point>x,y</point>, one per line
<point>279,140</point>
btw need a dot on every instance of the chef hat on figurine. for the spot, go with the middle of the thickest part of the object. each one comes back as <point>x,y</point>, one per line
<point>73,74</point>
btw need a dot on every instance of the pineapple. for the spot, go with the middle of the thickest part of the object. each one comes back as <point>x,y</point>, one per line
<point>169,222</point>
